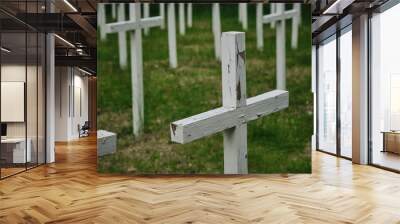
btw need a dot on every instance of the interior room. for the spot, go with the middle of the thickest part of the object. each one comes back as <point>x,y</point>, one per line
<point>335,75</point>
<point>71,103</point>
<point>48,84</point>
<point>385,89</point>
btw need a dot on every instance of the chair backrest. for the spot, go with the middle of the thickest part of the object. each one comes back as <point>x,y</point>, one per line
<point>86,125</point>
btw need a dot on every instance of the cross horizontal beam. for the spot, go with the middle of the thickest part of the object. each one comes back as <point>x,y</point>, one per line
<point>133,25</point>
<point>222,118</point>
<point>280,16</point>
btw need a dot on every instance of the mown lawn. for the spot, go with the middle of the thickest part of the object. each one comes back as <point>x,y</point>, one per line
<point>279,143</point>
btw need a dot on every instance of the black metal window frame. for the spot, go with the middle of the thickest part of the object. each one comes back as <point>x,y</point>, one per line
<point>339,32</point>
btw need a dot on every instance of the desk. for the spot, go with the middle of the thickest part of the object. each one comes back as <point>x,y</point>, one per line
<point>15,148</point>
<point>391,141</point>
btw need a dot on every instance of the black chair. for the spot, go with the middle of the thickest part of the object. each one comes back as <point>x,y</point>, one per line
<point>84,130</point>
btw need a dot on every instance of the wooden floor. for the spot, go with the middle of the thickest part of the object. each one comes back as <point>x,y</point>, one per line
<point>70,191</point>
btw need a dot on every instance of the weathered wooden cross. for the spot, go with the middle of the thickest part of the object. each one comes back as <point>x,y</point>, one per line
<point>237,110</point>
<point>294,14</point>
<point>279,17</point>
<point>135,25</point>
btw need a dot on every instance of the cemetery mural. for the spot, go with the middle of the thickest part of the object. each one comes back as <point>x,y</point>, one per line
<point>204,88</point>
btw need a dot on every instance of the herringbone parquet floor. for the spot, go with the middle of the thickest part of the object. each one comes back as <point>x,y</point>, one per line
<point>70,191</point>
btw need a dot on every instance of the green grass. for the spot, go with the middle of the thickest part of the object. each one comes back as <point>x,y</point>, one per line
<point>279,143</point>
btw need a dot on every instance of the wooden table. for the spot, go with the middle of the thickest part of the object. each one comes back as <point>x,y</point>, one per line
<point>391,141</point>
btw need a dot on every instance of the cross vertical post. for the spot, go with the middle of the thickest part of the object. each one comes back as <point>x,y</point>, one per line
<point>113,10</point>
<point>295,25</point>
<point>234,96</point>
<point>162,14</point>
<point>101,15</point>
<point>137,72</point>
<point>216,28</point>
<point>243,15</point>
<point>280,49</point>
<point>146,14</point>
<point>190,14</point>
<point>173,61</point>
<point>240,13</point>
<point>122,46</point>
<point>182,18</point>
<point>272,11</point>
<point>259,26</point>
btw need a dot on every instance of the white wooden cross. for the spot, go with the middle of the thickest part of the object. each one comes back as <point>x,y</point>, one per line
<point>294,14</point>
<point>146,14</point>
<point>135,26</point>
<point>237,110</point>
<point>279,17</point>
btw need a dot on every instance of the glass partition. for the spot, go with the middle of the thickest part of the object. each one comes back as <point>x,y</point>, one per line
<point>14,153</point>
<point>346,92</point>
<point>385,89</point>
<point>31,99</point>
<point>327,95</point>
<point>22,77</point>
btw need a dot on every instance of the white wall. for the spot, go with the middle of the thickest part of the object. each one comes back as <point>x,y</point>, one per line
<point>70,83</point>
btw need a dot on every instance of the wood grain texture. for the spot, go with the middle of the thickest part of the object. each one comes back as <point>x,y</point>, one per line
<point>71,191</point>
<point>219,119</point>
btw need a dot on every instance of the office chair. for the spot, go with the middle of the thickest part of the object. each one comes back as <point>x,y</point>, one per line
<point>84,130</point>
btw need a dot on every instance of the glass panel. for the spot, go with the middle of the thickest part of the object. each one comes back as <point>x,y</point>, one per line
<point>327,96</point>
<point>13,89</point>
<point>346,93</point>
<point>31,98</point>
<point>41,99</point>
<point>385,86</point>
